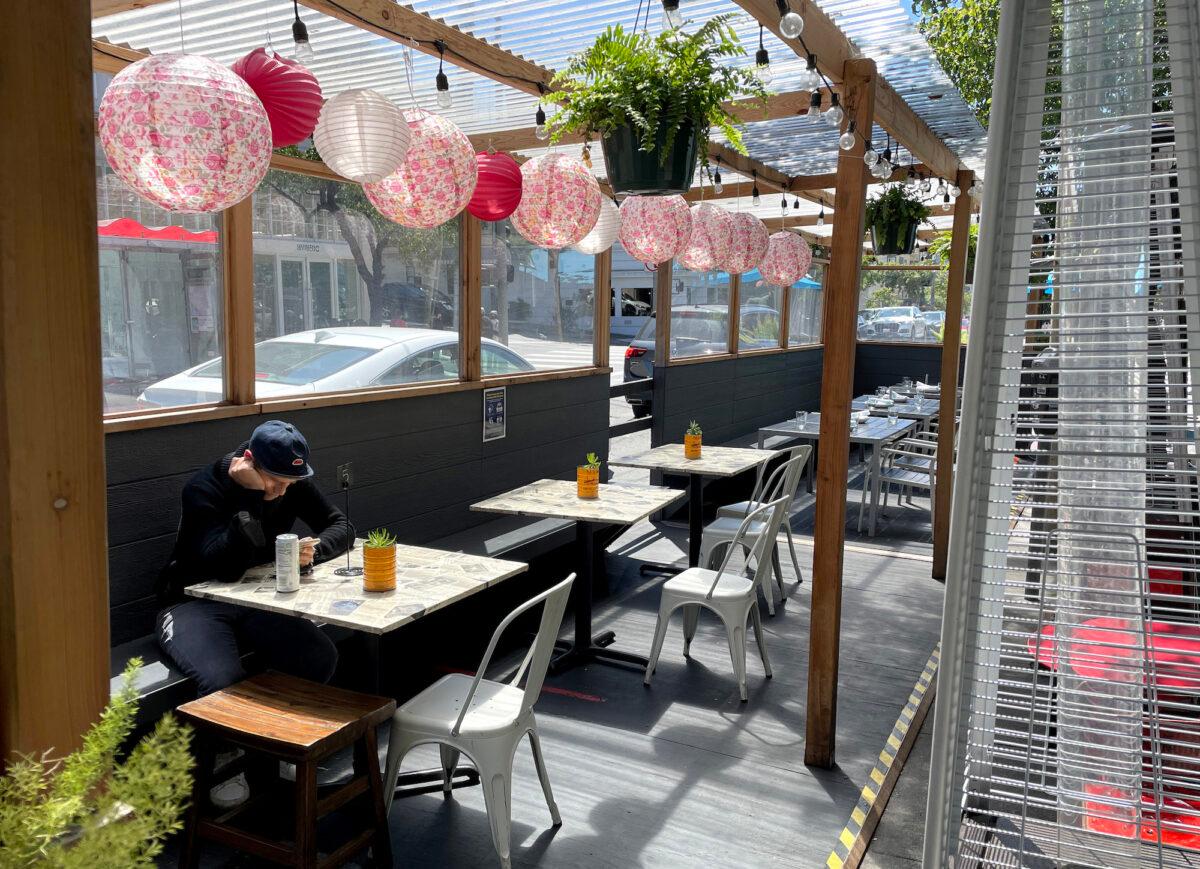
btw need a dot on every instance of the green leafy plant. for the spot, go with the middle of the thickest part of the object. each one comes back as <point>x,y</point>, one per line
<point>694,428</point>
<point>656,84</point>
<point>940,248</point>
<point>380,538</point>
<point>896,205</point>
<point>87,810</point>
<point>592,462</point>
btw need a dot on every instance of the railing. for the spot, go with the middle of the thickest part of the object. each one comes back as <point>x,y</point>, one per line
<point>631,387</point>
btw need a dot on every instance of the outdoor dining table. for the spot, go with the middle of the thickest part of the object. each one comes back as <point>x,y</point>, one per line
<point>427,580</point>
<point>918,408</point>
<point>713,462</point>
<point>615,505</point>
<point>875,432</point>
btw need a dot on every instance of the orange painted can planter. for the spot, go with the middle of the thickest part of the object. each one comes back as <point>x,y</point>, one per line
<point>379,568</point>
<point>587,482</point>
<point>691,446</point>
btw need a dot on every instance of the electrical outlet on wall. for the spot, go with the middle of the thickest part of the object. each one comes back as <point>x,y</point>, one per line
<point>345,475</point>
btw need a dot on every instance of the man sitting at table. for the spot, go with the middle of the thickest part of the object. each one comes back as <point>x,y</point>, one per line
<point>232,511</point>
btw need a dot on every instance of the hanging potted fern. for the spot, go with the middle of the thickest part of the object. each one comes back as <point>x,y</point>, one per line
<point>653,100</point>
<point>893,218</point>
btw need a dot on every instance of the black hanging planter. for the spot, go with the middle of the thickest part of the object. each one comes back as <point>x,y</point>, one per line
<point>631,170</point>
<point>894,238</point>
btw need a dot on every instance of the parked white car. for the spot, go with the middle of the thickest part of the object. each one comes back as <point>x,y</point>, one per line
<point>329,360</point>
<point>903,323</point>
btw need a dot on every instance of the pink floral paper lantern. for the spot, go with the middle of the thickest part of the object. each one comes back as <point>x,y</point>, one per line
<point>185,133</point>
<point>436,179</point>
<point>712,234</point>
<point>655,228</point>
<point>560,201</point>
<point>601,236</point>
<point>749,244</point>
<point>498,190</point>
<point>787,260</point>
<point>289,93</point>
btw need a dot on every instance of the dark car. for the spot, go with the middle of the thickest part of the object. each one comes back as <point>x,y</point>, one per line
<point>696,330</point>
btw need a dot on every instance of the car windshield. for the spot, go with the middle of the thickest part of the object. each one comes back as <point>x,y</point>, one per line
<point>707,326</point>
<point>894,312</point>
<point>295,363</point>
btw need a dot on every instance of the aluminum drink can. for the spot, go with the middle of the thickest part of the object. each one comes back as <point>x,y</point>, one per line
<point>287,563</point>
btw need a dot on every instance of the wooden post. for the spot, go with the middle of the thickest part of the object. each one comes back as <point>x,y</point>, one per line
<point>603,307</point>
<point>735,312</point>
<point>470,323</point>
<point>53,553</point>
<point>841,312</point>
<point>662,313</point>
<point>238,280</point>
<point>951,343</point>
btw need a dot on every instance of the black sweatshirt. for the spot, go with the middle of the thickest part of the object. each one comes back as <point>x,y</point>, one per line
<point>213,545</point>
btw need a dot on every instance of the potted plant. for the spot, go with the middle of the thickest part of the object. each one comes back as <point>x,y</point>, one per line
<point>587,477</point>
<point>893,217</point>
<point>653,99</point>
<point>379,561</point>
<point>691,441</point>
<point>89,809</point>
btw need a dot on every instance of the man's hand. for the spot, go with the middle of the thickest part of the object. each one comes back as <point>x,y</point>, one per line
<point>308,550</point>
<point>243,472</point>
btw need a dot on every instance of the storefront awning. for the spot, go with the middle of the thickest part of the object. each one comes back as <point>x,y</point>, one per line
<point>127,227</point>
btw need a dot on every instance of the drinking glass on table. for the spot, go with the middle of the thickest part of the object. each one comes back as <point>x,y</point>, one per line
<point>802,418</point>
<point>892,415</point>
<point>853,421</point>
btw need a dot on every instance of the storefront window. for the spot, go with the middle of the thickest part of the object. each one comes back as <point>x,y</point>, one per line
<point>345,298</point>
<point>805,309</point>
<point>758,317</point>
<point>699,313</point>
<point>537,305</point>
<point>903,305</point>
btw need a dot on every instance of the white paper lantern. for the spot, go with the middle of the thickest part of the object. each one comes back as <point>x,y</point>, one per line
<point>184,132</point>
<point>361,135</point>
<point>750,242</point>
<point>655,228</point>
<point>712,234</point>
<point>604,233</point>
<point>787,260</point>
<point>560,201</point>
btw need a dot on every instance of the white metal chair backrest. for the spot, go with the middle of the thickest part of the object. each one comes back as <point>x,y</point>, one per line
<point>537,659</point>
<point>771,513</point>
<point>785,479</point>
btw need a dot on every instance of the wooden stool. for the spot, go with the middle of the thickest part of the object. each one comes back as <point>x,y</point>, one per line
<point>301,722</point>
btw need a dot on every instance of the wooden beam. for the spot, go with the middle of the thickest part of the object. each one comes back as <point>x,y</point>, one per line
<point>470,310</point>
<point>774,224</point>
<point>837,381</point>
<point>662,313</point>
<point>735,311</point>
<point>956,278</point>
<point>785,299</point>
<point>54,640</point>
<point>603,302</point>
<point>237,237</point>
<point>833,49</point>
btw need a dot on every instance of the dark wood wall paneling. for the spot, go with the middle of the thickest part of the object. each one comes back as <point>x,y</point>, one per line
<point>888,364</point>
<point>734,397</point>
<point>418,465</point>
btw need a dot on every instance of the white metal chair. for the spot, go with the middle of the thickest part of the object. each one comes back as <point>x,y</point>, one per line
<point>731,596</point>
<point>782,483</point>
<point>485,720</point>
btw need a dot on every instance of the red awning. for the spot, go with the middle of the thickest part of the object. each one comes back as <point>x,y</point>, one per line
<point>127,227</point>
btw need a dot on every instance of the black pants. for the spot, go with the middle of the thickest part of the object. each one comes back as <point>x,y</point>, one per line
<point>206,639</point>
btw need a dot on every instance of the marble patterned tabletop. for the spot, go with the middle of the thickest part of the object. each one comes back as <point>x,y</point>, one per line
<point>426,580</point>
<point>616,505</point>
<point>713,461</point>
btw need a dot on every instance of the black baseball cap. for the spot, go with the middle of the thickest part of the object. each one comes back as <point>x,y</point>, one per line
<point>281,450</point>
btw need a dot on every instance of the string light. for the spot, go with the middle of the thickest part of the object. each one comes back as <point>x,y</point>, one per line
<point>814,105</point>
<point>762,60</point>
<point>975,191</point>
<point>821,215</point>
<point>672,17</point>
<point>926,185</point>
<point>540,131</point>
<point>946,201</point>
<point>754,197</point>
<point>847,139</point>
<point>783,205</point>
<point>791,24</point>
<point>796,204</point>
<point>835,114</point>
<point>304,49</point>
<point>955,191</point>
<point>810,78</point>
<point>870,157</point>
<point>718,187</point>
<point>443,84</point>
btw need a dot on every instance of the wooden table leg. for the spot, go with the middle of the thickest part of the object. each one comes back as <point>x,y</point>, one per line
<point>305,850</point>
<point>381,844</point>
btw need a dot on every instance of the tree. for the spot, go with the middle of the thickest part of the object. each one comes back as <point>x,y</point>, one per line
<point>962,33</point>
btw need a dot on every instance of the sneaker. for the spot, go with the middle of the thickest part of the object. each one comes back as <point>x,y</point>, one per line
<point>230,794</point>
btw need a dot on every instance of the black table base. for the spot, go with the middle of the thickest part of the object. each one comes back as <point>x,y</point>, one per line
<point>695,531</point>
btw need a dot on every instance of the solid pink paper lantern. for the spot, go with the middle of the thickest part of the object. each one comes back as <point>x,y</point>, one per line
<point>749,244</point>
<point>498,188</point>
<point>289,92</point>
<point>655,228</point>
<point>560,201</point>
<point>185,133</point>
<point>708,245</point>
<point>436,179</point>
<point>787,260</point>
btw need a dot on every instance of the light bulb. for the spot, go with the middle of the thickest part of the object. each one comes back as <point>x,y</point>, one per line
<point>443,91</point>
<point>811,78</point>
<point>955,191</point>
<point>846,141</point>
<point>796,204</point>
<point>718,187</point>
<point>791,25</point>
<point>975,191</point>
<point>870,157</point>
<point>946,202</point>
<point>540,131</point>
<point>754,197</point>
<point>926,185</point>
<point>762,67</point>
<point>941,188</point>
<point>783,204</point>
<point>835,115</point>
<point>821,217</point>
<point>304,49</point>
<point>672,17</point>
